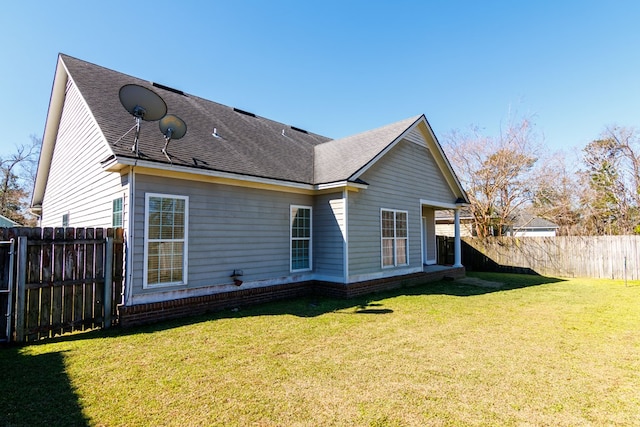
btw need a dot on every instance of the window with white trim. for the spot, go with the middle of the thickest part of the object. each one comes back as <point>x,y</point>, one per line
<point>165,244</point>
<point>395,241</point>
<point>116,213</point>
<point>300,238</point>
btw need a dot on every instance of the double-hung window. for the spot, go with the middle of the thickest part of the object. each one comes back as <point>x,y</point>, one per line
<point>165,243</point>
<point>116,213</point>
<point>395,242</point>
<point>300,238</point>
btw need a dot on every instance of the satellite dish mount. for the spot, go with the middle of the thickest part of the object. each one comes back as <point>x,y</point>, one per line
<point>142,104</point>
<point>172,127</point>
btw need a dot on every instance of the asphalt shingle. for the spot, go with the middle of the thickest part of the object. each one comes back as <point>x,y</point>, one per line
<point>245,144</point>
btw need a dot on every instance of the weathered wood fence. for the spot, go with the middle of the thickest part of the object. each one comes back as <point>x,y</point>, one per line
<point>613,257</point>
<point>60,280</point>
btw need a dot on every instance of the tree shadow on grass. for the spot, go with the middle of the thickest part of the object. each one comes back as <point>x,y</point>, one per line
<point>35,390</point>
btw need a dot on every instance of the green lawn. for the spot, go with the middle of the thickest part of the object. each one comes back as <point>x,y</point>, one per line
<point>538,351</point>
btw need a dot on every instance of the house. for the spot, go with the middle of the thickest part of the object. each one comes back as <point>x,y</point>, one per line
<point>241,205</point>
<point>526,225</point>
<point>523,225</point>
<point>445,223</point>
<point>6,222</point>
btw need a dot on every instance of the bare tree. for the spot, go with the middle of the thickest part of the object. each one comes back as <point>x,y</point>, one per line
<point>611,182</point>
<point>17,175</point>
<point>556,193</point>
<point>496,172</point>
<point>627,144</point>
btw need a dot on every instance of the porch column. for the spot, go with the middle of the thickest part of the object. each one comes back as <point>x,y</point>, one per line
<point>457,247</point>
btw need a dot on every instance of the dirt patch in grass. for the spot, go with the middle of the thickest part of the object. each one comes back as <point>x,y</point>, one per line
<point>475,281</point>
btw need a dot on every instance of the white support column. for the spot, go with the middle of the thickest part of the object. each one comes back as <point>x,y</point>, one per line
<point>457,246</point>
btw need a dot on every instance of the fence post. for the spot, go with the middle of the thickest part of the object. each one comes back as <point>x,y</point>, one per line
<point>108,281</point>
<point>21,291</point>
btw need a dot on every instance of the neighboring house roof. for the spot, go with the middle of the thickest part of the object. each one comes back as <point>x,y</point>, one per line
<point>531,222</point>
<point>522,221</point>
<point>244,144</point>
<point>6,222</point>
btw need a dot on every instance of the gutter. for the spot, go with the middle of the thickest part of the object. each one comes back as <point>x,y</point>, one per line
<point>114,163</point>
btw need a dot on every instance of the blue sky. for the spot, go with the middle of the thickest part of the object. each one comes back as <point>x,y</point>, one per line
<point>341,67</point>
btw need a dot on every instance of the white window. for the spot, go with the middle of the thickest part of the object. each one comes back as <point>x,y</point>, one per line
<point>165,243</point>
<point>116,213</point>
<point>395,242</point>
<point>300,238</point>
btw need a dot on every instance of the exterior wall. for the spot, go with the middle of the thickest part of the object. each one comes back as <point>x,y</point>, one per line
<point>448,229</point>
<point>230,228</point>
<point>329,229</point>
<point>77,185</point>
<point>406,175</point>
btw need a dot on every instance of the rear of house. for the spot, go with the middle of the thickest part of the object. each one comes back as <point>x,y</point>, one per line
<point>242,205</point>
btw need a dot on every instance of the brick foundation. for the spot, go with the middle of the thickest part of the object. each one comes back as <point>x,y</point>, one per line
<point>154,312</point>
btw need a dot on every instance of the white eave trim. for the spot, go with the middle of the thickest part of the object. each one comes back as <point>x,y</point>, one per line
<point>442,205</point>
<point>341,185</point>
<point>385,150</point>
<point>54,115</point>
<point>116,163</point>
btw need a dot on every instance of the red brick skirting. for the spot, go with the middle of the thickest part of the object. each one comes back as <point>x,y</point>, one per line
<point>154,312</point>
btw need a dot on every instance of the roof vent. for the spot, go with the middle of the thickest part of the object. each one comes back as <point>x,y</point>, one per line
<point>170,89</point>
<point>298,129</point>
<point>246,113</point>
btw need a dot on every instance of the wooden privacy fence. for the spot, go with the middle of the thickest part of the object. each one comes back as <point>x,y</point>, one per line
<point>612,257</point>
<point>60,280</point>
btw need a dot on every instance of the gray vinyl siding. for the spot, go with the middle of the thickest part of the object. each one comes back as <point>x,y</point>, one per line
<point>407,174</point>
<point>230,228</point>
<point>329,239</point>
<point>77,185</point>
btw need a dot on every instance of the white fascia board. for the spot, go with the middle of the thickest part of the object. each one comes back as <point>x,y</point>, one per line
<point>442,160</point>
<point>114,164</point>
<point>196,174</point>
<point>438,204</point>
<point>54,114</point>
<point>388,148</point>
<point>341,184</point>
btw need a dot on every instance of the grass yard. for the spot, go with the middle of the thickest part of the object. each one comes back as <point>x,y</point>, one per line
<point>538,351</point>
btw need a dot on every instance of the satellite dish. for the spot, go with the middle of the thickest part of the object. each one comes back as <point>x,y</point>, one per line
<point>172,127</point>
<point>142,103</point>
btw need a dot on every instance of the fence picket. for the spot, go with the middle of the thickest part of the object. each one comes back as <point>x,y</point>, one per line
<point>99,253</point>
<point>611,257</point>
<point>34,307</point>
<point>47,297</point>
<point>61,279</point>
<point>58,313</point>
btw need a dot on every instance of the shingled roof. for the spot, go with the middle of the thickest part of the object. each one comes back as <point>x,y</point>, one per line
<point>243,143</point>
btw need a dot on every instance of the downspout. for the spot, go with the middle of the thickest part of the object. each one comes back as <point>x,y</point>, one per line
<point>130,237</point>
<point>345,196</point>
